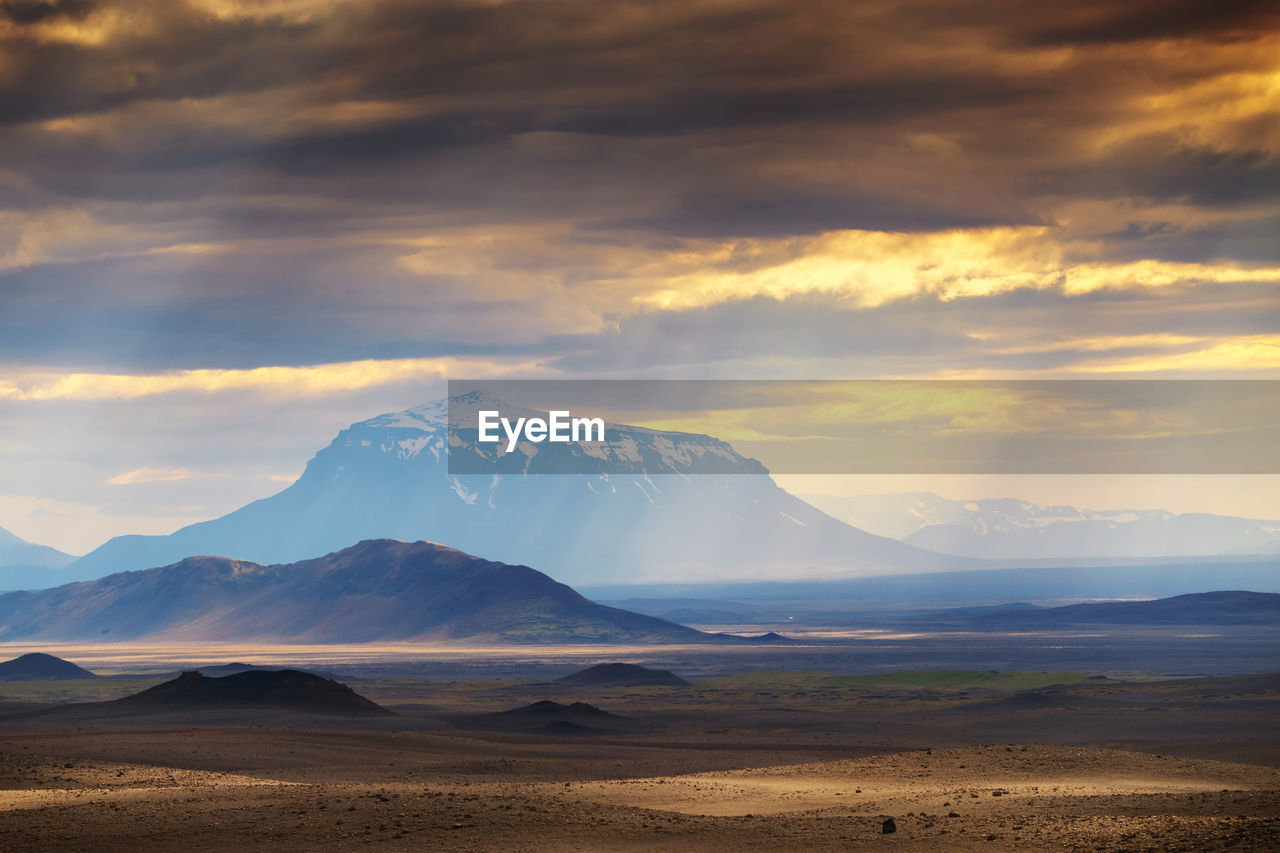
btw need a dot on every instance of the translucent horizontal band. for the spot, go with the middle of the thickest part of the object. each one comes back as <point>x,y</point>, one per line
<point>688,427</point>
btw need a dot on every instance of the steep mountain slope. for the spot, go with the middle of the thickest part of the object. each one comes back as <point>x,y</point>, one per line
<point>388,477</point>
<point>25,565</point>
<point>376,590</point>
<point>1005,528</point>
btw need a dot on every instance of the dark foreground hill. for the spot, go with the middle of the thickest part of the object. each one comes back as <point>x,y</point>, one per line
<point>38,666</point>
<point>377,590</point>
<point>622,675</point>
<point>221,669</point>
<point>287,688</point>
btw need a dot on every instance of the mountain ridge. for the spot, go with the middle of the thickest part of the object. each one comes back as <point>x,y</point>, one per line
<point>374,590</point>
<point>26,564</point>
<point>1207,609</point>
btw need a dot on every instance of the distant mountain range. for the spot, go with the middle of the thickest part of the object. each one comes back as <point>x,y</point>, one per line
<point>24,564</point>
<point>836,602</point>
<point>1198,609</point>
<point>1006,528</point>
<point>376,590</point>
<point>388,477</point>
<point>1206,609</point>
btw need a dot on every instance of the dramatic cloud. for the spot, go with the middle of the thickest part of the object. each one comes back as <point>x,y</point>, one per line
<point>328,198</point>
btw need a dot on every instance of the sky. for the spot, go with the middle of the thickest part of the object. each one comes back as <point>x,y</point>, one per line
<point>228,229</point>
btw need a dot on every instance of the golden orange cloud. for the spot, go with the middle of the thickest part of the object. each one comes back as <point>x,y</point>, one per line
<point>277,382</point>
<point>871,268</point>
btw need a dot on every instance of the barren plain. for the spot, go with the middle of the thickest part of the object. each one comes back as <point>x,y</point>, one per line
<point>767,759</point>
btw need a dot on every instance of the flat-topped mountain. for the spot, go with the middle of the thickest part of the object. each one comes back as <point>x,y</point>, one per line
<point>376,590</point>
<point>38,666</point>
<point>286,688</point>
<point>388,477</point>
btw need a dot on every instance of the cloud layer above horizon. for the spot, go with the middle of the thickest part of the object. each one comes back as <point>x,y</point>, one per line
<point>641,186</point>
<point>255,202</point>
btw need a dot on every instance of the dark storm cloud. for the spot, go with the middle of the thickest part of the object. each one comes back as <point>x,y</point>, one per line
<point>186,56</point>
<point>1146,20</point>
<point>767,211</point>
<point>36,11</point>
<point>1163,169</point>
<point>645,131</point>
<point>1251,241</point>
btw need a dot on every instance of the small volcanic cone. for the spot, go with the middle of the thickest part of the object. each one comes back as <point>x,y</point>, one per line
<point>622,675</point>
<point>38,666</point>
<point>287,688</point>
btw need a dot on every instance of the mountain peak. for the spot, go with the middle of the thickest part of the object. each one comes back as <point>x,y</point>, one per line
<point>642,505</point>
<point>435,413</point>
<point>24,565</point>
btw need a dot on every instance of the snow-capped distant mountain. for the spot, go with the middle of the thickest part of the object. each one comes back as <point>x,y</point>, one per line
<point>387,477</point>
<point>1006,528</point>
<point>25,565</point>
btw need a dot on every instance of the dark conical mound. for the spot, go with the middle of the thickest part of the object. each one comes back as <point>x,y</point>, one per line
<point>38,666</point>
<point>286,688</point>
<point>546,710</point>
<point>771,637</point>
<point>550,718</point>
<point>622,675</point>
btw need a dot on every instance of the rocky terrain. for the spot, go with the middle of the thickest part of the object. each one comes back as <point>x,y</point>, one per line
<point>766,761</point>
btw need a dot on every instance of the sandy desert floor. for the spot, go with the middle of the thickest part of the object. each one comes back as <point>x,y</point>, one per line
<point>1190,765</point>
<point>447,793</point>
